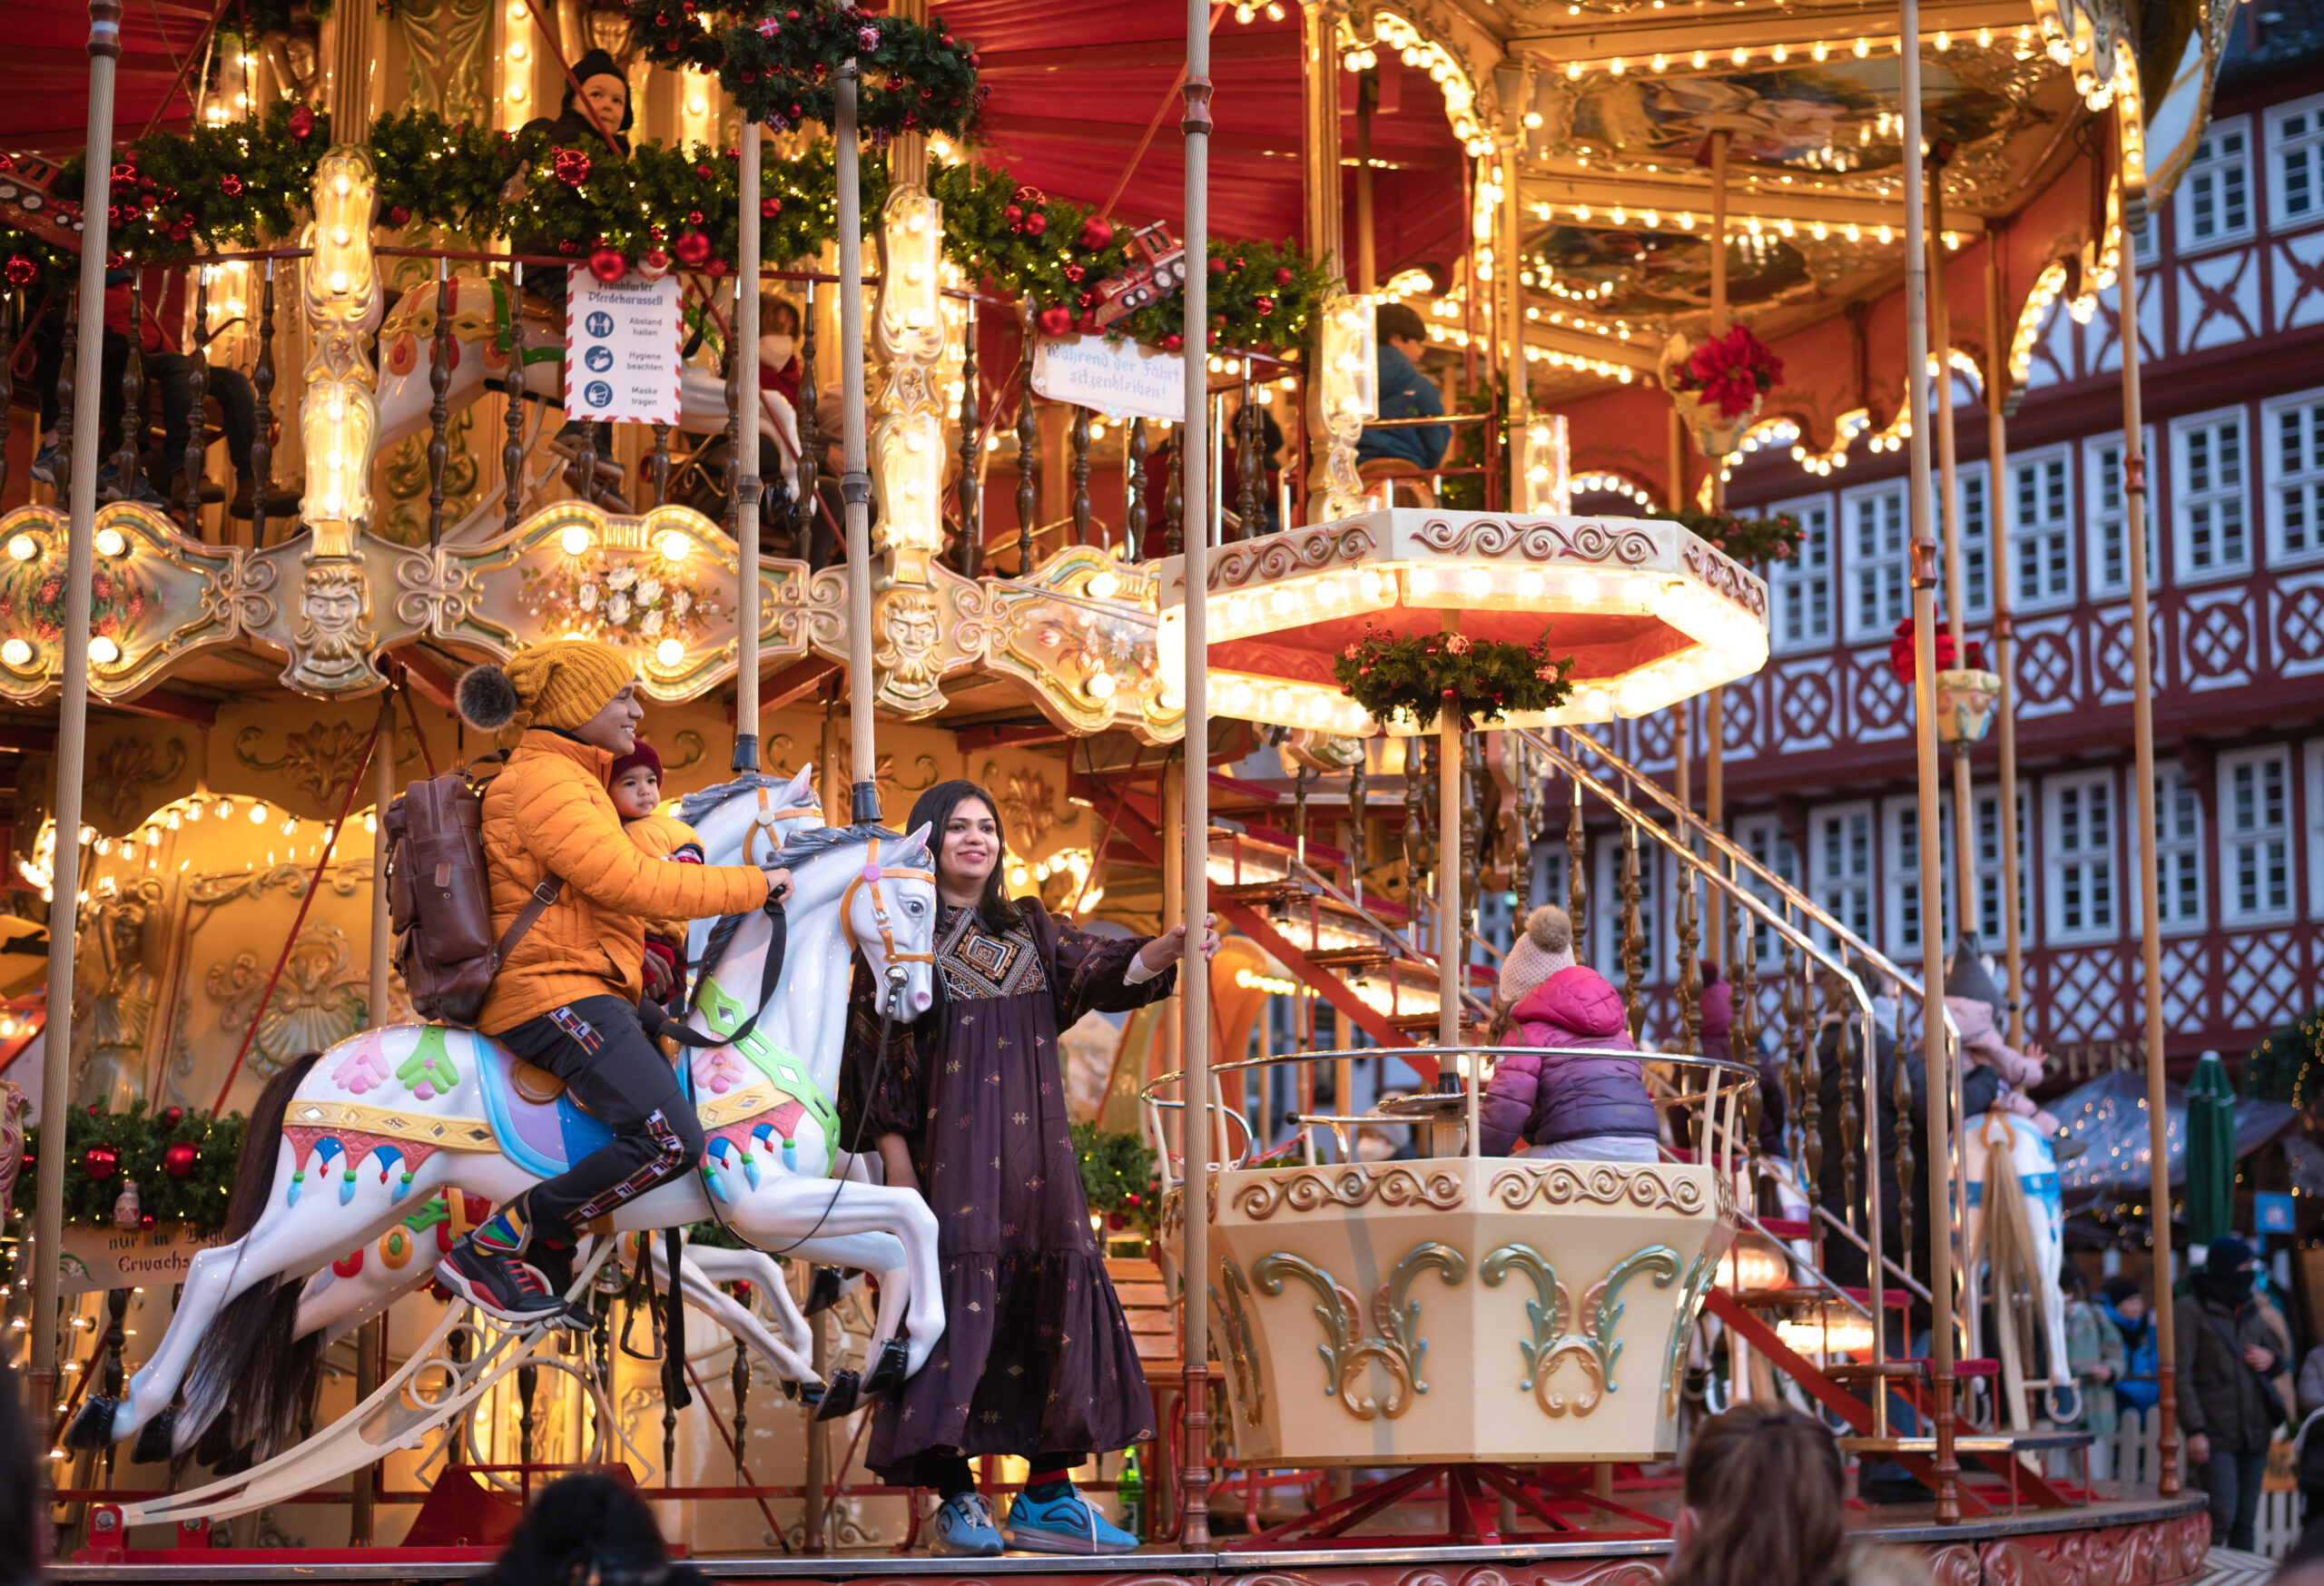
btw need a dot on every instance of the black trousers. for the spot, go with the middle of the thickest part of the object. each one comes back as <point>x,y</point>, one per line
<point>598,1048</point>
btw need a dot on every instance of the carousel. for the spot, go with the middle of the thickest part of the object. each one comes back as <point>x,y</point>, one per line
<point>896,395</point>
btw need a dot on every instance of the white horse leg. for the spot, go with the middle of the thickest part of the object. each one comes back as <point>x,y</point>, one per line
<point>704,1294</point>
<point>289,1239</point>
<point>758,1269</point>
<point>787,1209</point>
<point>881,1254</point>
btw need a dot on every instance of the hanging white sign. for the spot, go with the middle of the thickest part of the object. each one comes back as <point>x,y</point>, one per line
<point>96,1259</point>
<point>621,349</point>
<point>1121,379</point>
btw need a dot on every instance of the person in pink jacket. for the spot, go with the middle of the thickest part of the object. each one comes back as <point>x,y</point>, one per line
<point>1589,1106</point>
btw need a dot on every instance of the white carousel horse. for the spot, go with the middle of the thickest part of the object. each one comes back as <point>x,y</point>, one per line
<point>736,829</point>
<point>412,1109</point>
<point>479,309</point>
<point>2019,1229</point>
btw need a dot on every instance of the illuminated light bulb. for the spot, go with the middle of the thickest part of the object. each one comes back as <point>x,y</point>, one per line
<point>340,235</point>
<point>1863,48</point>
<point>1702,59</point>
<point>1374,585</point>
<point>697,105</point>
<point>1529,586</point>
<point>1104,586</point>
<point>1423,580</point>
<point>1479,582</point>
<point>674,547</point>
<point>1661,63</point>
<point>104,651</point>
<point>339,281</point>
<point>1780,53</point>
<point>109,543</point>
<point>1821,51</point>
<point>258,815</point>
<point>670,651</point>
<point>575,538</point>
<point>1740,54</point>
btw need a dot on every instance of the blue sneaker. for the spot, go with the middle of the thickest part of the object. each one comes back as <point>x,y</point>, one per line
<point>43,468</point>
<point>964,1529</point>
<point>1064,1525</point>
<point>142,490</point>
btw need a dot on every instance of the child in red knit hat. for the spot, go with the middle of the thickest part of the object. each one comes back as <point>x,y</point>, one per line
<point>636,784</point>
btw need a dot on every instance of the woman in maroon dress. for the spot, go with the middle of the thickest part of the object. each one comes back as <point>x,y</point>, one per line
<point>969,1109</point>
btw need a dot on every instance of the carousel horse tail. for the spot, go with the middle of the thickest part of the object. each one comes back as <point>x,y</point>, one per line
<point>250,1367</point>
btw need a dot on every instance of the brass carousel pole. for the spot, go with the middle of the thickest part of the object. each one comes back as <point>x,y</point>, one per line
<point>2150,895</point>
<point>2005,636</point>
<point>855,483</point>
<point>1935,1052</point>
<point>746,426</point>
<point>371,1337</point>
<point>1956,583</point>
<point>1715,706</point>
<point>1194,979</point>
<point>72,716</point>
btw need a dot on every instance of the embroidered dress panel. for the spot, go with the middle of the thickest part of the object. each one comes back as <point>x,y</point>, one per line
<point>978,965</point>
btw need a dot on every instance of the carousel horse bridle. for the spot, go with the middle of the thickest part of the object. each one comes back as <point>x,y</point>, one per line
<point>871,875</point>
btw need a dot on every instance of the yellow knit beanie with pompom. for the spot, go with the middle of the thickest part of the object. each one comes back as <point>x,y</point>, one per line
<point>563,684</point>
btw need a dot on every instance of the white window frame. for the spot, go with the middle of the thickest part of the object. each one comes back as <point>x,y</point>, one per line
<point>2088,871</point>
<point>2313,802</point>
<point>2307,482</point>
<point>2233,913</point>
<point>1763,837</point>
<point>1793,583</point>
<point>2179,851</point>
<point>2095,519</point>
<point>1890,564</point>
<point>2309,144</point>
<point>1605,911</point>
<point>2229,503</point>
<point>1847,895</point>
<point>1985,860</point>
<point>1976,539</point>
<point>2048,536</point>
<point>2213,163</point>
<point>1550,862</point>
<point>1901,878</point>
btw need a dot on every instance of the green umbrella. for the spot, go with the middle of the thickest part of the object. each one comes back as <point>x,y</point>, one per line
<point>2211,1152</point>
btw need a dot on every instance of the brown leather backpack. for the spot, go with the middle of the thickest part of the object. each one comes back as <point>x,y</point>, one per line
<point>440,897</point>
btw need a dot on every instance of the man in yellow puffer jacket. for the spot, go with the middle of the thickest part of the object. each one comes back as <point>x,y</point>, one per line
<point>566,998</point>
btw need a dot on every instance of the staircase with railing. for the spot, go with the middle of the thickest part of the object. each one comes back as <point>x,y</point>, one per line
<point>1778,1299</point>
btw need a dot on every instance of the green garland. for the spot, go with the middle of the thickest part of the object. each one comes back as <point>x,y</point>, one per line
<point>1486,678</point>
<point>1753,541</point>
<point>1118,1176</point>
<point>782,64</point>
<point>239,185</point>
<point>1052,253</point>
<point>140,1142</point>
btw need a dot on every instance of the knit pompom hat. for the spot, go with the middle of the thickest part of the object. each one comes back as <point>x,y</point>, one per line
<point>643,754</point>
<point>563,684</point>
<point>1546,948</point>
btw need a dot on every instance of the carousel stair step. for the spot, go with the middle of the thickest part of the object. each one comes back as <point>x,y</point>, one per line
<point>1788,1227</point>
<point>1921,1368</point>
<point>1773,1298</point>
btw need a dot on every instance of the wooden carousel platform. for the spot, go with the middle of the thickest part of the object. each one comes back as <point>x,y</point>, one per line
<point>2133,1540</point>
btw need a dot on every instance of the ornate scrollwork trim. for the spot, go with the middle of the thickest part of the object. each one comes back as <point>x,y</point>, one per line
<point>1283,556</point>
<point>1540,539</point>
<point>1346,1349</point>
<point>1645,1188</point>
<point>1311,1188</point>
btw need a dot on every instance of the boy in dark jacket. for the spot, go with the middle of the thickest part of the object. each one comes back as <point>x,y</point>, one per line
<point>2226,1352</point>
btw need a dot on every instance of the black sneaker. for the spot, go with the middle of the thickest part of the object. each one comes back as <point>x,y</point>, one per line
<point>500,1285</point>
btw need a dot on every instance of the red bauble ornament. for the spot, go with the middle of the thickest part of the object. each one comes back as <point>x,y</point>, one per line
<point>608,265</point>
<point>703,171</point>
<point>693,217</point>
<point>302,123</point>
<point>231,185</point>
<point>975,59</point>
<point>20,271</point>
<point>1056,320</point>
<point>1036,223</point>
<point>714,269</point>
<point>101,1162</point>
<point>571,166</point>
<point>1116,1221</point>
<point>1266,305</point>
<point>1011,213</point>
<point>1283,275</point>
<point>399,215</point>
<point>1096,233</point>
<point>693,247</point>
<point>178,1161</point>
<point>768,207</point>
<point>653,264</point>
<point>567,246</point>
<point>1074,272</point>
<point>1173,342</point>
<point>173,1116</point>
<point>1218,267</point>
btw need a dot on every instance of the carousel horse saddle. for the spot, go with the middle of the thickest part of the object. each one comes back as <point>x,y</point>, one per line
<point>538,1124</point>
